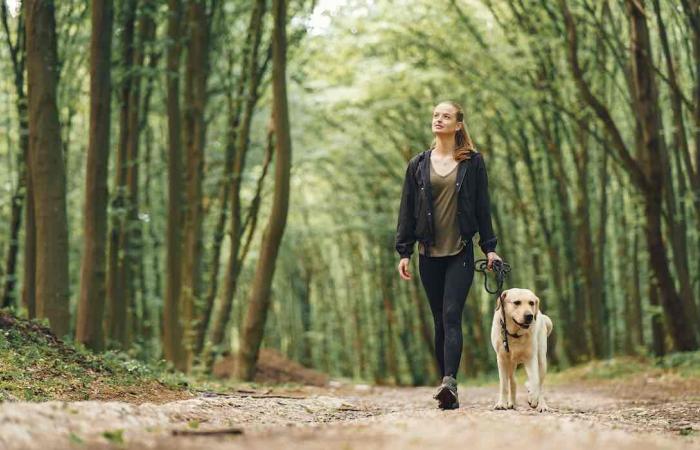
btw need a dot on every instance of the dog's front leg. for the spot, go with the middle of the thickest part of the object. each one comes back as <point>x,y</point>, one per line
<point>533,381</point>
<point>513,384</point>
<point>503,375</point>
<point>542,370</point>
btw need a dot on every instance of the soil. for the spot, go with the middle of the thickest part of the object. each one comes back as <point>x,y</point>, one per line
<point>640,412</point>
<point>274,368</point>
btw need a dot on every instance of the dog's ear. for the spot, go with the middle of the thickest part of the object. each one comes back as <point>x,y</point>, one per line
<point>500,300</point>
<point>537,304</point>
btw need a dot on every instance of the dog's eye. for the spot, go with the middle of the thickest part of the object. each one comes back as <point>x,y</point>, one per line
<point>532,303</point>
<point>517,302</point>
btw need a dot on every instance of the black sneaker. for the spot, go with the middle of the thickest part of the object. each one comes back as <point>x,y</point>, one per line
<point>446,394</point>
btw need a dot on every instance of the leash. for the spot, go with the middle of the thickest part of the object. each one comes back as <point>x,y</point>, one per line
<point>500,269</point>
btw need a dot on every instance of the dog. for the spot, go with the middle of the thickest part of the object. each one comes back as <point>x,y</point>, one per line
<point>527,330</point>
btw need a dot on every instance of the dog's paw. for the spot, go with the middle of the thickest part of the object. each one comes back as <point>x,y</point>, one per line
<point>501,405</point>
<point>542,406</point>
<point>532,401</point>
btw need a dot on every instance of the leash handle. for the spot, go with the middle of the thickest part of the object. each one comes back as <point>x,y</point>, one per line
<point>500,269</point>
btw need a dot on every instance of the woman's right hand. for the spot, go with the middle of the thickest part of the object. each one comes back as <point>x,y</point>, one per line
<point>403,269</point>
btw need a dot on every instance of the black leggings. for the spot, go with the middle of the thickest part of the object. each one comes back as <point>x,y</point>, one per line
<point>447,280</point>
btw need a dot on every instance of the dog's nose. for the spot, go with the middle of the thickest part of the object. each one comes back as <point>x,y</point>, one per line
<point>528,318</point>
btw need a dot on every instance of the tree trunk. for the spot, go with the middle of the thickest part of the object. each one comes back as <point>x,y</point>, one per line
<point>172,329</point>
<point>91,304</point>
<point>657,327</point>
<point>29,269</point>
<point>195,131</point>
<point>117,301</point>
<point>259,300</point>
<point>47,167</point>
<point>17,54</point>
<point>251,77</point>
<point>132,233</point>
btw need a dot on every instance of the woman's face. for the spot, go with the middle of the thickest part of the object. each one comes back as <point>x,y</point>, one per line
<point>445,119</point>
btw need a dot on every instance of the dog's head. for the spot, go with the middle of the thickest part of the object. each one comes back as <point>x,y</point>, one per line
<point>521,305</point>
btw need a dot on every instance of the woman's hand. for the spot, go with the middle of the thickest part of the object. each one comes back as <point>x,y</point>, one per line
<point>492,256</point>
<point>403,269</point>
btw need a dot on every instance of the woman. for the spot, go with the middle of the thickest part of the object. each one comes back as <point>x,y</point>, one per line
<point>445,200</point>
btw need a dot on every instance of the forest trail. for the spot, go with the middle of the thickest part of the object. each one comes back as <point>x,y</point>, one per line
<point>636,413</point>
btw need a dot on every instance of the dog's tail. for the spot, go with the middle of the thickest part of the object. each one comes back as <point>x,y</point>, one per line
<point>548,324</point>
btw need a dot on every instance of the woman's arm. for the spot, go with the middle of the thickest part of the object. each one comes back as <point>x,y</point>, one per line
<point>487,239</point>
<point>405,229</point>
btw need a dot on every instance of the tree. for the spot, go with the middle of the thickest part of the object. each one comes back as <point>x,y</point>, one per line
<point>172,329</point>
<point>259,300</point>
<point>47,167</point>
<point>93,289</point>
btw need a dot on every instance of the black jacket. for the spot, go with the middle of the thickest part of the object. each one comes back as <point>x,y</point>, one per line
<point>473,207</point>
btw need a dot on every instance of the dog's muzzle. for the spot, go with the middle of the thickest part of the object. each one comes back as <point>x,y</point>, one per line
<point>525,325</point>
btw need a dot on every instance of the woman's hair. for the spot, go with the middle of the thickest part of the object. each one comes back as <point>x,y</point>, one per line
<point>464,146</point>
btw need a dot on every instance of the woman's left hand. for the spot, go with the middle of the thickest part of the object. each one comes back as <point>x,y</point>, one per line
<point>492,256</point>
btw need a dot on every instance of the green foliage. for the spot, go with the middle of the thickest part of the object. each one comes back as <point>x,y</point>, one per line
<point>35,366</point>
<point>686,364</point>
<point>114,436</point>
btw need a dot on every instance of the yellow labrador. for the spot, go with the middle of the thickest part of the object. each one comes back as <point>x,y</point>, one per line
<point>527,330</point>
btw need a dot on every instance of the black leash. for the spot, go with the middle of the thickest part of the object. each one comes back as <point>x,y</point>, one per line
<point>500,269</point>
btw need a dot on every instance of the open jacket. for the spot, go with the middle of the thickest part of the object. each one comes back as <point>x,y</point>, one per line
<point>416,211</point>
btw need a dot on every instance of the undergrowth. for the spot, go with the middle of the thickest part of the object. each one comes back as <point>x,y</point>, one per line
<point>35,365</point>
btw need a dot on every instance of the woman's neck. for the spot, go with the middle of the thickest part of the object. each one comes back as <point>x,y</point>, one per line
<point>444,145</point>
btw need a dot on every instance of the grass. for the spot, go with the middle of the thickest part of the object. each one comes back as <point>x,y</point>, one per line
<point>36,366</point>
<point>682,364</point>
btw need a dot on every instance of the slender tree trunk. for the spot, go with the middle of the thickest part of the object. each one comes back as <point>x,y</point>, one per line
<point>47,167</point>
<point>150,316</point>
<point>17,54</point>
<point>92,292</point>
<point>117,300</point>
<point>195,130</point>
<point>29,269</point>
<point>251,78</point>
<point>172,329</point>
<point>259,300</point>
<point>658,345</point>
<point>636,325</point>
<point>131,241</point>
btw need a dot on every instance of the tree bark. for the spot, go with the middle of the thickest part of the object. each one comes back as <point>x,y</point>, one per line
<point>47,167</point>
<point>92,277</point>
<point>195,133</point>
<point>259,300</point>
<point>241,133</point>
<point>117,301</point>
<point>172,328</point>
<point>17,54</point>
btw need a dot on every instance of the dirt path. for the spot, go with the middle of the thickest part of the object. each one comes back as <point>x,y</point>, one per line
<point>637,414</point>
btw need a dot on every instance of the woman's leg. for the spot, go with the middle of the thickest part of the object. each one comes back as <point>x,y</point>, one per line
<point>432,275</point>
<point>458,279</point>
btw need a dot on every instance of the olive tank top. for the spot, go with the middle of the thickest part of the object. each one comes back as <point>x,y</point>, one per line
<point>447,238</point>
